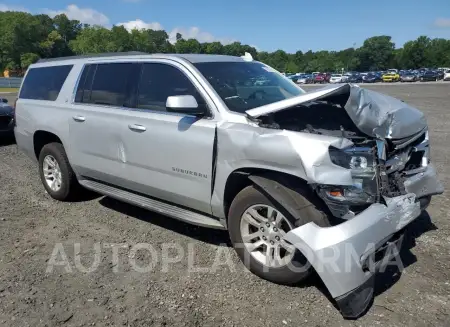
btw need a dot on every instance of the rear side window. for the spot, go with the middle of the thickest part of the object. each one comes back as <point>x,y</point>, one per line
<point>104,84</point>
<point>44,83</point>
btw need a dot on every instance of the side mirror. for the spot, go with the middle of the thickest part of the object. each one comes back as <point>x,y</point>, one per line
<point>185,104</point>
<point>3,100</point>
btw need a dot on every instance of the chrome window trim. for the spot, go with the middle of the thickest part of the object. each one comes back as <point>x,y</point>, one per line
<point>212,107</point>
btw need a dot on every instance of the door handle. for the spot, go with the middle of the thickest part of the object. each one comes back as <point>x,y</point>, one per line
<point>79,118</point>
<point>137,128</point>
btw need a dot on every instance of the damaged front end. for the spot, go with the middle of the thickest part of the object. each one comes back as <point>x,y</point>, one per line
<point>387,180</point>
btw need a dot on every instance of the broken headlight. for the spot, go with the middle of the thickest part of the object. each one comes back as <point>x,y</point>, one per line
<point>361,160</point>
<point>362,163</point>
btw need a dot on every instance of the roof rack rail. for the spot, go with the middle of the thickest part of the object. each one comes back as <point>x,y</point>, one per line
<point>97,55</point>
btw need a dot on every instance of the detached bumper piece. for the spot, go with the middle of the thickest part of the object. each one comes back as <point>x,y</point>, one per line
<point>355,303</point>
<point>347,256</point>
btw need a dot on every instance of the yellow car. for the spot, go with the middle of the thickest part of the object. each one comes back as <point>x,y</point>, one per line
<point>391,77</point>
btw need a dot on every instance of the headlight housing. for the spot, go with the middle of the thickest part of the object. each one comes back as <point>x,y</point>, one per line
<point>361,160</point>
<point>362,163</point>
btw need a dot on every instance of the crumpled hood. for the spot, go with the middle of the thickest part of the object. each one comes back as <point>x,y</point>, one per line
<point>375,114</point>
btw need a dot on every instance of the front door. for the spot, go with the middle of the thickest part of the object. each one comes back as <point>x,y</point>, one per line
<point>168,155</point>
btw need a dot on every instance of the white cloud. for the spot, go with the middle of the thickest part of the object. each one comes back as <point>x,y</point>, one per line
<point>188,33</point>
<point>84,15</point>
<point>4,7</point>
<point>442,22</point>
<point>139,24</point>
<point>195,33</point>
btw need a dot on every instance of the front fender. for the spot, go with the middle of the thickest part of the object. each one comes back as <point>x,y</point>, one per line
<point>302,155</point>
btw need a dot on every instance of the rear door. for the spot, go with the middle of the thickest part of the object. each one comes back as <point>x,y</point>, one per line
<point>168,155</point>
<point>96,120</point>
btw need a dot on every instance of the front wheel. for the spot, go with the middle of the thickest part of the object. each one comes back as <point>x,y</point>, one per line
<point>257,226</point>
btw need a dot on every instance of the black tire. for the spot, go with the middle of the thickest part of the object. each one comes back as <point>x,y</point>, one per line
<point>307,212</point>
<point>69,182</point>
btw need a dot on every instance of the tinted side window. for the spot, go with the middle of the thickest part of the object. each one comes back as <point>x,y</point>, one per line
<point>158,82</point>
<point>104,84</point>
<point>44,83</point>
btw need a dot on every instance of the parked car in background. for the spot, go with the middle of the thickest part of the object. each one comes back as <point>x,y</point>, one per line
<point>304,79</point>
<point>320,78</point>
<point>447,75</point>
<point>6,117</point>
<point>391,77</point>
<point>394,71</point>
<point>440,74</point>
<point>356,78</point>
<point>372,78</point>
<point>336,78</point>
<point>408,77</point>
<point>293,77</point>
<point>430,75</point>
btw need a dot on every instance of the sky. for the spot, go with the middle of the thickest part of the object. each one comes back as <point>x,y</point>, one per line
<point>268,25</point>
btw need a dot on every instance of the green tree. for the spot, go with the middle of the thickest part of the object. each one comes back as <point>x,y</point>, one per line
<point>93,39</point>
<point>27,59</point>
<point>188,46</point>
<point>376,53</point>
<point>214,48</point>
<point>25,37</point>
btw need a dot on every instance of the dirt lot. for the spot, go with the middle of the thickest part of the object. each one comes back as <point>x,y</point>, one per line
<point>32,225</point>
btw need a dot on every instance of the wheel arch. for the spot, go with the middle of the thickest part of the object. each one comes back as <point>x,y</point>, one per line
<point>43,137</point>
<point>264,179</point>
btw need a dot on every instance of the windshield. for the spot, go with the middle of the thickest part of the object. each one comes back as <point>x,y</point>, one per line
<point>247,85</point>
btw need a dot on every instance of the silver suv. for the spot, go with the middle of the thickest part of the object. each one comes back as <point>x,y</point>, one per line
<point>324,180</point>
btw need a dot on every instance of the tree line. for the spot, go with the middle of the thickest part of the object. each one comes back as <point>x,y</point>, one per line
<point>24,38</point>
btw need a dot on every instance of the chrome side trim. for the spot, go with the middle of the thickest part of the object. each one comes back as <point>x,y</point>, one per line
<point>153,205</point>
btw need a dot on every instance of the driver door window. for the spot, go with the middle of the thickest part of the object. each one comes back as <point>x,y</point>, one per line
<point>158,82</point>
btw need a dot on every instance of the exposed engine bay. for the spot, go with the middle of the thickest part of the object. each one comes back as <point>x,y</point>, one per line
<point>379,167</point>
<point>319,117</point>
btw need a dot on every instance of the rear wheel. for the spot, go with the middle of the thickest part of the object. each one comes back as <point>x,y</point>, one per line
<point>56,173</point>
<point>257,226</point>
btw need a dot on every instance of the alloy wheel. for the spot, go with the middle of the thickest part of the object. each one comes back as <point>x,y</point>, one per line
<point>262,230</point>
<point>52,173</point>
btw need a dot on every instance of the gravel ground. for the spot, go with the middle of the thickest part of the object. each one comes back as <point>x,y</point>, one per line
<point>32,226</point>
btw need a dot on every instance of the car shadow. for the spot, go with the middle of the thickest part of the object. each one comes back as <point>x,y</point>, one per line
<point>389,276</point>
<point>7,139</point>
<point>203,234</point>
<point>86,195</point>
<point>384,280</point>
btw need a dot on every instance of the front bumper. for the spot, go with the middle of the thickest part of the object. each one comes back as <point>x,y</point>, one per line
<point>340,254</point>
